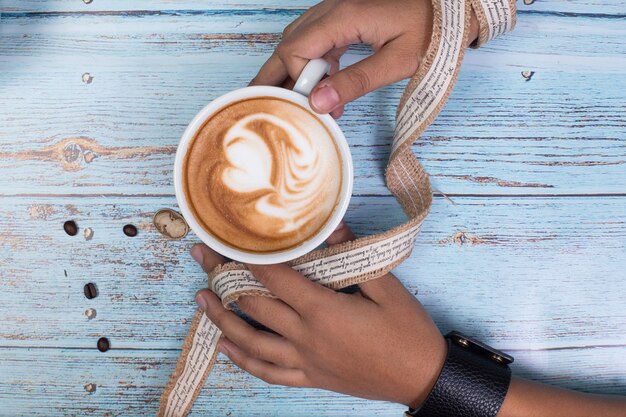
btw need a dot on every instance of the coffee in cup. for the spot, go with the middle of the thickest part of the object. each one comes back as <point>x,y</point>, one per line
<point>260,177</point>
<point>262,174</point>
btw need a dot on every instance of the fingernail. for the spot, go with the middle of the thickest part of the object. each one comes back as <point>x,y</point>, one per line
<point>202,302</point>
<point>197,254</point>
<point>325,99</point>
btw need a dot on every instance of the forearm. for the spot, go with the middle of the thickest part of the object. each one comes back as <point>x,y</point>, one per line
<point>532,399</point>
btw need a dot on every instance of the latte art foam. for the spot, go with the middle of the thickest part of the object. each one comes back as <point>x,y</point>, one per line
<point>263,175</point>
<point>295,162</point>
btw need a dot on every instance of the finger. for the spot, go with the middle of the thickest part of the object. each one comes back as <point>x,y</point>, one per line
<point>341,234</point>
<point>291,287</point>
<point>272,313</point>
<point>206,257</point>
<point>383,290</point>
<point>264,370</point>
<point>313,40</point>
<point>333,57</point>
<point>390,64</point>
<point>312,14</point>
<point>337,113</point>
<point>255,343</point>
<point>288,84</point>
<point>273,72</point>
<point>379,290</point>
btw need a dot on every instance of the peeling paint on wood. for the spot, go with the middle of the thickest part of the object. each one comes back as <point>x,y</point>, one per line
<point>534,136</point>
<point>562,255</point>
<point>499,182</point>
<point>96,96</point>
<point>71,153</point>
<point>564,6</point>
<point>129,383</point>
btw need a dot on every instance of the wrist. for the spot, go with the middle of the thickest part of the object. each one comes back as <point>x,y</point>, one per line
<point>430,374</point>
<point>474,380</point>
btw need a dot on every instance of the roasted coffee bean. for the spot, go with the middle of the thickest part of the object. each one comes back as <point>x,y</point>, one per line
<point>130,230</point>
<point>90,291</point>
<point>170,224</point>
<point>103,344</point>
<point>70,227</point>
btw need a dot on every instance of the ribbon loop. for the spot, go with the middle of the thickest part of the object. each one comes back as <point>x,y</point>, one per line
<point>368,257</point>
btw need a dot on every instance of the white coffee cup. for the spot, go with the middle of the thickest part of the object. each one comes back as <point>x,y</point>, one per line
<point>310,76</point>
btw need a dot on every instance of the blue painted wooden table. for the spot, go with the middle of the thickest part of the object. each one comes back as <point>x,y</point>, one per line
<point>527,252</point>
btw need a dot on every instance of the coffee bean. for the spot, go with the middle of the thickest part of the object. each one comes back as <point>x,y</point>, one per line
<point>90,313</point>
<point>70,227</point>
<point>130,230</point>
<point>90,291</point>
<point>170,224</point>
<point>103,344</point>
<point>88,233</point>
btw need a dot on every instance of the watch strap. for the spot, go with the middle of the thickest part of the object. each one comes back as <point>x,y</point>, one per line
<point>473,381</point>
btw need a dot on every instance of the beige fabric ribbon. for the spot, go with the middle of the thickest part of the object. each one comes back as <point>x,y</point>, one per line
<point>369,257</point>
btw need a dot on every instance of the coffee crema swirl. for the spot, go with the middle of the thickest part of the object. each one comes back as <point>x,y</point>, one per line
<point>263,175</point>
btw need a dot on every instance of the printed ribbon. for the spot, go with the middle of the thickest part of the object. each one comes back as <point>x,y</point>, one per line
<point>369,257</point>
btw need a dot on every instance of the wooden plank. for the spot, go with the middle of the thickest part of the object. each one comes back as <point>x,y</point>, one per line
<point>523,272</point>
<point>562,6</point>
<point>601,8</point>
<point>561,133</point>
<point>130,383</point>
<point>182,33</point>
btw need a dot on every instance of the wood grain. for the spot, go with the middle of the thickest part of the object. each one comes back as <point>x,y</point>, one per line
<point>560,133</point>
<point>130,383</point>
<point>537,275</point>
<point>550,269</point>
<point>184,33</point>
<point>602,7</point>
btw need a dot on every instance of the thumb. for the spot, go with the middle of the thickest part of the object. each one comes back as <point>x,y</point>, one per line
<point>341,234</point>
<point>386,66</point>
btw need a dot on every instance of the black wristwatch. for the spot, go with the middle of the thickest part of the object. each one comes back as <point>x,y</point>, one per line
<point>473,381</point>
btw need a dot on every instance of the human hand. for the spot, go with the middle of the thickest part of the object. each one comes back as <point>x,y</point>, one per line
<point>378,343</point>
<point>398,31</point>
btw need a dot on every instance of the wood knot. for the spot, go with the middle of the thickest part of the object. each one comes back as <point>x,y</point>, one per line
<point>464,238</point>
<point>75,152</point>
<point>71,152</point>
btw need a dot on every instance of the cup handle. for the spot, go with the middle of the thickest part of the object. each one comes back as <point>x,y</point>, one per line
<point>312,73</point>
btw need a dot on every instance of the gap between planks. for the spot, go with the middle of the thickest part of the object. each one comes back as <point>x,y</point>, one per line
<point>435,194</point>
<point>130,349</point>
<point>174,12</point>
